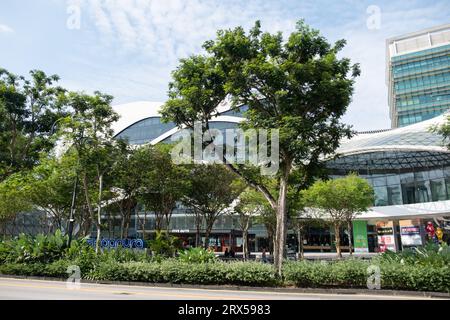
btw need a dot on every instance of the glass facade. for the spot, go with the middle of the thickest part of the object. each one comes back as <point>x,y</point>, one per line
<point>421,84</point>
<point>236,112</point>
<point>399,186</point>
<point>145,130</point>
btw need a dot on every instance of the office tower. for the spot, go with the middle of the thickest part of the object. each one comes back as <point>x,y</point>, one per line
<point>418,75</point>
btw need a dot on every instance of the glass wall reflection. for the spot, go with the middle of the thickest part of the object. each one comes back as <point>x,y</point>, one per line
<point>411,187</point>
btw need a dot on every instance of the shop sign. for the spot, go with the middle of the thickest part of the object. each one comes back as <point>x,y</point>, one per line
<point>386,239</point>
<point>180,231</point>
<point>410,233</point>
<point>360,236</point>
<point>116,243</point>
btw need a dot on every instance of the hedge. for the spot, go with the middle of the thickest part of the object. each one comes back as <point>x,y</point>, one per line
<point>353,274</point>
<point>341,274</point>
<point>172,271</point>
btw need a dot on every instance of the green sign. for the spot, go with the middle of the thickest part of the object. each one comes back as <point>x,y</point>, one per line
<point>360,236</point>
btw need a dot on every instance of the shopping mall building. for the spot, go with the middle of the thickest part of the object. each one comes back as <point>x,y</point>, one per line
<point>408,167</point>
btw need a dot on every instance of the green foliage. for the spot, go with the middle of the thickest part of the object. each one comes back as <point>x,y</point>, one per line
<point>209,198</point>
<point>13,196</point>
<point>127,265</point>
<point>341,198</point>
<point>81,254</point>
<point>28,109</point>
<point>443,130</point>
<point>353,273</point>
<point>163,183</point>
<point>124,255</point>
<point>197,255</point>
<point>431,255</point>
<point>173,271</point>
<point>348,273</point>
<point>164,245</point>
<point>27,249</point>
<point>298,85</point>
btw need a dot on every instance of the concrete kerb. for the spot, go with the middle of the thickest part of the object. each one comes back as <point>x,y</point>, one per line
<point>343,291</point>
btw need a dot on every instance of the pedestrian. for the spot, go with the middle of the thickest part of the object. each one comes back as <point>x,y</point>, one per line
<point>264,256</point>
<point>226,253</point>
<point>232,253</point>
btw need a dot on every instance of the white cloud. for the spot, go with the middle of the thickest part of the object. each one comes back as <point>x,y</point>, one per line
<point>148,37</point>
<point>5,29</point>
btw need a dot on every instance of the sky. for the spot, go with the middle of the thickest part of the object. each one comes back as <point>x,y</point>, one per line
<point>127,48</point>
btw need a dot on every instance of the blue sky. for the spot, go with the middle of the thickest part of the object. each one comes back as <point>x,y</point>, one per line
<point>128,48</point>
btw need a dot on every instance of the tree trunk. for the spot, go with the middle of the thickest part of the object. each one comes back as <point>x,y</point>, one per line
<point>198,222</point>
<point>350,236</point>
<point>209,227</point>
<point>143,225</point>
<point>245,244</point>
<point>300,243</point>
<point>122,225</point>
<point>99,211</point>
<point>337,237</point>
<point>88,204</point>
<point>280,236</point>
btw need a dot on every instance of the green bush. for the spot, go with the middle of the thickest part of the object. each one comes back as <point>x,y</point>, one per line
<point>27,249</point>
<point>422,269</point>
<point>173,271</point>
<point>433,255</point>
<point>164,245</point>
<point>346,273</point>
<point>197,255</point>
<point>353,273</point>
<point>56,269</point>
<point>415,277</point>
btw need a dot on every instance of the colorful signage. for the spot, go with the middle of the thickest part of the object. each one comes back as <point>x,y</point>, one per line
<point>410,233</point>
<point>386,238</point>
<point>360,236</point>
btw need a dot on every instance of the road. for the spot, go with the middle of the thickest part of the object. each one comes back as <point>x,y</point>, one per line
<point>18,289</point>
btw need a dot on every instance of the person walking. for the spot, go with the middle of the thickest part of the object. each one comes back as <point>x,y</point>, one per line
<point>264,256</point>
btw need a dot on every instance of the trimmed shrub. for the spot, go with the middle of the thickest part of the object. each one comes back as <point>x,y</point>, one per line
<point>353,273</point>
<point>415,277</point>
<point>347,273</point>
<point>173,271</point>
<point>57,269</point>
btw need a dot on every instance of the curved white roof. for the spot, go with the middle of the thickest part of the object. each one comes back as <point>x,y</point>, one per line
<point>415,137</point>
<point>135,111</point>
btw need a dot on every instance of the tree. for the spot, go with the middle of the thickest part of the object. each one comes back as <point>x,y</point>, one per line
<point>212,191</point>
<point>297,86</point>
<point>89,132</point>
<point>357,196</point>
<point>164,184</point>
<point>13,199</point>
<point>28,110</point>
<point>49,187</point>
<point>268,218</point>
<point>127,174</point>
<point>340,200</point>
<point>444,130</point>
<point>247,208</point>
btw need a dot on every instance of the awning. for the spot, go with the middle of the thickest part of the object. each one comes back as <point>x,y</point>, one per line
<point>407,211</point>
